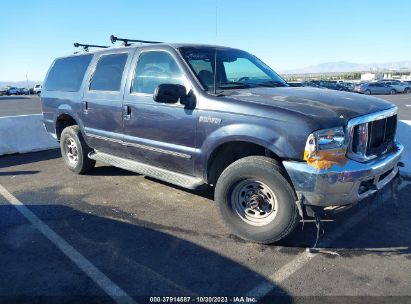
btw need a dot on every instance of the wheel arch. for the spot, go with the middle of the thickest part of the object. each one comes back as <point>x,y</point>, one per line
<point>64,120</point>
<point>228,152</point>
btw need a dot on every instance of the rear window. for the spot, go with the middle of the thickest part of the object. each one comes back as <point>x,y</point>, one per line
<point>109,72</point>
<point>67,73</point>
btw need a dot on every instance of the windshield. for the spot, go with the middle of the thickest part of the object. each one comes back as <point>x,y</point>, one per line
<point>235,69</point>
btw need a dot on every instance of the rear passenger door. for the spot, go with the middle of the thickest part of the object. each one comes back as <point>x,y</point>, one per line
<point>159,134</point>
<point>381,88</point>
<point>102,102</point>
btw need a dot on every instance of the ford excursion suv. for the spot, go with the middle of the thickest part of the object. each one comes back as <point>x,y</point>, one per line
<point>196,115</point>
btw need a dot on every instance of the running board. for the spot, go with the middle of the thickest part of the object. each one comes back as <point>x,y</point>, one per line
<point>178,179</point>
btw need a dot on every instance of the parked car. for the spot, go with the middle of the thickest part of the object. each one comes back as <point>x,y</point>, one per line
<point>3,91</point>
<point>13,91</point>
<point>372,88</point>
<point>312,83</point>
<point>348,85</point>
<point>197,115</point>
<point>295,84</point>
<point>398,86</point>
<point>37,89</point>
<point>23,91</point>
<point>333,85</point>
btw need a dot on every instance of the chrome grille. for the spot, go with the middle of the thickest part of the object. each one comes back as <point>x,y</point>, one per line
<point>372,135</point>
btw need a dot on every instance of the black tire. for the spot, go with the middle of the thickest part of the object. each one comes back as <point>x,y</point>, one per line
<point>392,92</point>
<point>268,172</point>
<point>81,163</point>
<point>367,92</point>
<point>407,90</point>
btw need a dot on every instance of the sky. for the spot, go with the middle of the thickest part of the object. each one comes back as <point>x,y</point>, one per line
<point>284,34</point>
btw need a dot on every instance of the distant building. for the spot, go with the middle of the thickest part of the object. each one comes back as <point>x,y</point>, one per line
<point>368,76</point>
<point>388,76</point>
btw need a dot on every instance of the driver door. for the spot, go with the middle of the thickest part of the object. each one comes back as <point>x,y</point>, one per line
<point>162,135</point>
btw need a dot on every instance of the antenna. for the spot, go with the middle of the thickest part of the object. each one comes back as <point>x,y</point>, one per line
<point>216,23</point>
<point>215,51</point>
<point>127,40</point>
<point>87,46</point>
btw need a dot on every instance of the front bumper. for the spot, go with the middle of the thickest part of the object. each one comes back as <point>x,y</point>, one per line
<point>343,185</point>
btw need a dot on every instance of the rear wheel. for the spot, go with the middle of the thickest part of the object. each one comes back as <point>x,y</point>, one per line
<point>392,92</point>
<point>74,150</point>
<point>407,90</point>
<point>256,201</point>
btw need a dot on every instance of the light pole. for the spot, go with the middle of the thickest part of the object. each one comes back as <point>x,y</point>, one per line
<point>27,83</point>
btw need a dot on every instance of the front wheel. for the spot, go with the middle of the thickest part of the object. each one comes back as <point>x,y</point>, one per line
<point>392,92</point>
<point>367,92</point>
<point>74,150</point>
<point>256,201</point>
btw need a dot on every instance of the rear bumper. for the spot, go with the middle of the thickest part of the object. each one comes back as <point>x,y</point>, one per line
<point>343,185</point>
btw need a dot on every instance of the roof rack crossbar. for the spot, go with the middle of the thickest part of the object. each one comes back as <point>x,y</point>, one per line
<point>87,46</point>
<point>126,40</point>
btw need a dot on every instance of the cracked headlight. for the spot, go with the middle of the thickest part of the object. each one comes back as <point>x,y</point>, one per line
<point>325,148</point>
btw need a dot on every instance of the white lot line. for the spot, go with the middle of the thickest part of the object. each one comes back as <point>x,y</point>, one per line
<point>303,258</point>
<point>408,105</point>
<point>114,291</point>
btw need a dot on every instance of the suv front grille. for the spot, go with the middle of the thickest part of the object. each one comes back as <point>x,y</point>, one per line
<point>381,134</point>
<point>372,135</point>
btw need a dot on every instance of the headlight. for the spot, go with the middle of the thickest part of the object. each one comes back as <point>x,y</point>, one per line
<point>325,148</point>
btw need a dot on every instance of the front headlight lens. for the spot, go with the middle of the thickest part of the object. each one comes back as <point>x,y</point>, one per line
<point>325,148</point>
<point>330,139</point>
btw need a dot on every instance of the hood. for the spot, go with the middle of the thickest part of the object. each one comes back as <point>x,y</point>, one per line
<point>328,107</point>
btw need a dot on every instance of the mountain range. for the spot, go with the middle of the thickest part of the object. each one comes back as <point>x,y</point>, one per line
<point>343,66</point>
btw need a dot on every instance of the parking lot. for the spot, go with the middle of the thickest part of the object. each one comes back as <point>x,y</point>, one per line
<point>19,105</point>
<point>114,235</point>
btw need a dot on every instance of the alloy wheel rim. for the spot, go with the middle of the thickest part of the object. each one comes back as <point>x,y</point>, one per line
<point>71,150</point>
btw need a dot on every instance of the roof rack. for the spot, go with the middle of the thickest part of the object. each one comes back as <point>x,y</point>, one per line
<point>126,40</point>
<point>87,46</point>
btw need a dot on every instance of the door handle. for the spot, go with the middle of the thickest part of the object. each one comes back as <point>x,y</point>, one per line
<point>85,107</point>
<point>127,112</point>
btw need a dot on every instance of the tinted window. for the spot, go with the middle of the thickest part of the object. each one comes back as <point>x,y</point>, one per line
<point>153,69</point>
<point>234,69</point>
<point>67,74</point>
<point>108,73</point>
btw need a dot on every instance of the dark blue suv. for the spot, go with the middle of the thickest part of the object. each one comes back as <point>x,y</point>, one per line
<point>196,115</point>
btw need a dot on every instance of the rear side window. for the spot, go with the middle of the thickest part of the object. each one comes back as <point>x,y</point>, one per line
<point>67,73</point>
<point>108,73</point>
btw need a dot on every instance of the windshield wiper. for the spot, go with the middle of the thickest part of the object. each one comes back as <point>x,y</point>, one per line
<point>233,85</point>
<point>271,84</point>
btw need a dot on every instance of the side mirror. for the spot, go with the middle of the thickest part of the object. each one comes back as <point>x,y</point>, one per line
<point>169,93</point>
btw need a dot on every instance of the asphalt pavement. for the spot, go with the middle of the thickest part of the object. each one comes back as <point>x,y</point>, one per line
<point>19,105</point>
<point>149,238</point>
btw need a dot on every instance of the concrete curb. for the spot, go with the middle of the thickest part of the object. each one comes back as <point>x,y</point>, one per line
<point>404,137</point>
<point>24,133</point>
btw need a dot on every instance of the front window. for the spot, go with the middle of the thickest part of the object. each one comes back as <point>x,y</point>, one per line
<point>229,69</point>
<point>155,68</point>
